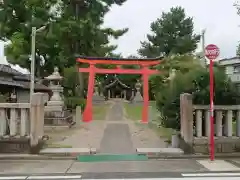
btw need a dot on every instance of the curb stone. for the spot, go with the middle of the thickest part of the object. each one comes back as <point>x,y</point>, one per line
<point>150,157</point>
<point>194,156</point>
<point>68,151</point>
<point>34,157</point>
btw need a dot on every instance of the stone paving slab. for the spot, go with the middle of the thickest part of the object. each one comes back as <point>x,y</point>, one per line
<point>218,165</point>
<point>117,140</point>
<point>88,135</point>
<point>160,151</point>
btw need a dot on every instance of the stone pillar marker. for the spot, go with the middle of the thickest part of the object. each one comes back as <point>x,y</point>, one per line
<point>186,111</point>
<point>36,119</point>
<point>78,115</point>
<point>238,123</point>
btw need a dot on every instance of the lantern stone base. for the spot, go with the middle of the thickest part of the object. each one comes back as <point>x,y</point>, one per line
<point>57,116</point>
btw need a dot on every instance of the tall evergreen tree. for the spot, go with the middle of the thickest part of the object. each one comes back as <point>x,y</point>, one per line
<point>173,33</point>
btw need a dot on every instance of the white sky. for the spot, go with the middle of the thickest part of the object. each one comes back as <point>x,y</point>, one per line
<point>218,17</point>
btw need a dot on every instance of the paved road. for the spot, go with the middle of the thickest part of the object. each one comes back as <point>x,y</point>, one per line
<point>116,137</point>
<point>160,169</point>
<point>132,176</point>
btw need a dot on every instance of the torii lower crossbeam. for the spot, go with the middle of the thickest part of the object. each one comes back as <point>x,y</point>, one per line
<point>92,70</point>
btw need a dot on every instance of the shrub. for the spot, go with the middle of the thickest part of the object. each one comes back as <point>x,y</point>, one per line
<point>195,82</point>
<point>73,102</point>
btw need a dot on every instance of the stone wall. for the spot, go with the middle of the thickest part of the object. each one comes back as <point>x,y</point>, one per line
<point>21,130</point>
<point>195,127</point>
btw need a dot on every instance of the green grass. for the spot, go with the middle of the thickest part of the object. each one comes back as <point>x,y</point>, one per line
<point>133,112</point>
<point>162,132</point>
<point>100,111</point>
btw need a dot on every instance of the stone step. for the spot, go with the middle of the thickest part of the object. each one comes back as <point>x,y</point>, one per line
<point>67,151</point>
<point>160,151</point>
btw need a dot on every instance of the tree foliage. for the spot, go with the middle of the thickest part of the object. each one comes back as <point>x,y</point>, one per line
<point>181,63</point>
<point>196,82</point>
<point>237,6</point>
<point>171,34</point>
<point>74,27</point>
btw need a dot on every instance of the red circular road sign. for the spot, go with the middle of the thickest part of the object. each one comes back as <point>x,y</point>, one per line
<point>212,51</point>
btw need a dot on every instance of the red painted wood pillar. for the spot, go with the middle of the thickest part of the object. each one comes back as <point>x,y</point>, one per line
<point>145,95</point>
<point>87,114</point>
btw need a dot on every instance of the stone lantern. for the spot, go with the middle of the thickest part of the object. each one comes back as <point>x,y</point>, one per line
<point>56,88</point>
<point>138,97</point>
<point>55,111</point>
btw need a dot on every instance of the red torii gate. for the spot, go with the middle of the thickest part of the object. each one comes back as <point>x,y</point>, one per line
<point>92,70</point>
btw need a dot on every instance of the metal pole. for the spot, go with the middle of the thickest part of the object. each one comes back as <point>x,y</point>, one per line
<point>32,62</point>
<point>203,47</point>
<point>211,110</point>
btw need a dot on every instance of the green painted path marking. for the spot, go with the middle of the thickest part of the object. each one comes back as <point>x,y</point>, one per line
<point>112,157</point>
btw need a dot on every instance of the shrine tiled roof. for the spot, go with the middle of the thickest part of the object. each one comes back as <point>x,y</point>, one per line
<point>119,59</point>
<point>116,81</point>
<point>7,69</point>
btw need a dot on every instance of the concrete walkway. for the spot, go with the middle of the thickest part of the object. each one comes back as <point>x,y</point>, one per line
<point>117,137</point>
<point>114,135</point>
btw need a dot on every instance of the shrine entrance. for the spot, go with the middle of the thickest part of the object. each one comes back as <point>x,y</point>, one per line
<point>92,70</point>
<point>116,89</point>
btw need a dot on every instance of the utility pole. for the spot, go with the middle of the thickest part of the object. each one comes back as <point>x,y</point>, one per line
<point>32,62</point>
<point>78,4</point>
<point>203,47</point>
<point>33,49</point>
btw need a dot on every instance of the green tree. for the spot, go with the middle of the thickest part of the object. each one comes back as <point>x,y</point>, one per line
<point>68,33</point>
<point>180,63</point>
<point>238,50</point>
<point>173,33</point>
<point>74,27</point>
<point>196,82</point>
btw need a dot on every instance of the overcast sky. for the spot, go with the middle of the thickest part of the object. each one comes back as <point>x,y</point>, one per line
<point>218,17</point>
